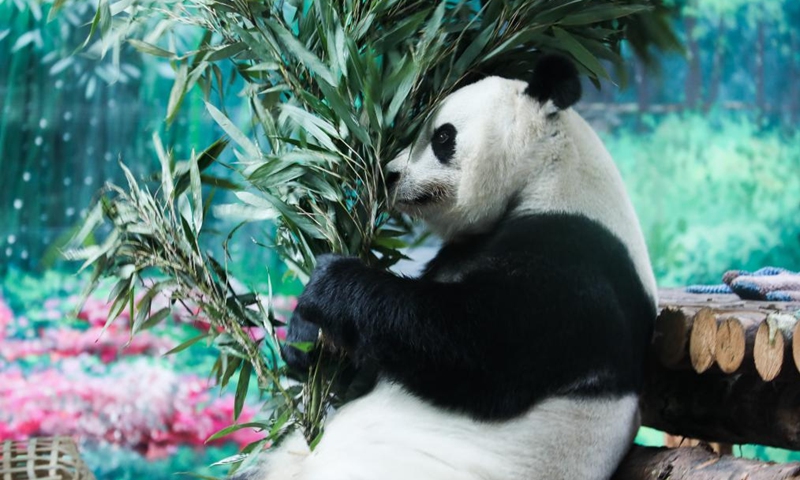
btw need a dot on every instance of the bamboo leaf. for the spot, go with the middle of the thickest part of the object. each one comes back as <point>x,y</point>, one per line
<point>318,128</point>
<point>241,389</point>
<point>602,13</point>
<point>166,168</point>
<point>299,51</point>
<point>206,158</point>
<point>580,53</point>
<point>151,49</point>
<point>57,5</point>
<point>227,51</point>
<point>234,133</point>
<point>156,318</point>
<point>235,428</point>
<point>197,194</point>
<point>188,343</point>
<point>178,92</point>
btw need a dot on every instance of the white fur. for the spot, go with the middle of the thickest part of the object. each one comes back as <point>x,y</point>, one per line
<point>392,435</point>
<point>508,148</point>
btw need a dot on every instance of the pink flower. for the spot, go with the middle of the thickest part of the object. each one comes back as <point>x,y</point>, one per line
<point>64,342</point>
<point>139,406</point>
<point>6,317</point>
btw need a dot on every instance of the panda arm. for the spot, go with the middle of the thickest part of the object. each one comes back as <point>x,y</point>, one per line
<point>379,316</point>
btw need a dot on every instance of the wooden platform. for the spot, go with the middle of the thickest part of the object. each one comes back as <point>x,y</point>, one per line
<point>724,369</point>
<point>727,333</point>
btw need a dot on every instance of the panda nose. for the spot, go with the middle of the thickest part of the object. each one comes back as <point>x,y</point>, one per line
<point>391,179</point>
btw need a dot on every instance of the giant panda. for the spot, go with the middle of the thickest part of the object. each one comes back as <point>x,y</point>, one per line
<point>519,351</point>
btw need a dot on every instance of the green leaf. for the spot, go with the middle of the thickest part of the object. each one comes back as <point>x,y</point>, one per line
<point>241,389</point>
<point>263,67</point>
<point>467,59</point>
<point>293,218</point>
<point>156,318</point>
<point>301,53</point>
<point>204,160</point>
<point>280,422</point>
<point>235,428</point>
<point>580,53</point>
<point>227,51</point>
<point>234,133</point>
<point>304,347</point>
<point>178,92</point>
<point>407,77</point>
<point>197,194</point>
<point>344,112</point>
<point>151,49</point>
<point>602,13</point>
<point>57,5</point>
<point>521,38</point>
<point>197,475</point>
<point>318,128</point>
<point>166,168</point>
<point>188,343</point>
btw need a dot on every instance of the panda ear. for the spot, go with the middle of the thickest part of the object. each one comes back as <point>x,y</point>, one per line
<point>555,78</point>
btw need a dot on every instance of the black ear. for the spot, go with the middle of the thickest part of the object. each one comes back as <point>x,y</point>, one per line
<point>555,78</point>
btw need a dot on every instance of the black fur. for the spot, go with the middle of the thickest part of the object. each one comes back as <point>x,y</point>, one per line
<point>300,331</point>
<point>540,305</point>
<point>555,78</point>
<point>443,142</point>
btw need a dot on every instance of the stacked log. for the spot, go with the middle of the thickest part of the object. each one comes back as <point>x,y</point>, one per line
<point>723,370</point>
<point>714,333</point>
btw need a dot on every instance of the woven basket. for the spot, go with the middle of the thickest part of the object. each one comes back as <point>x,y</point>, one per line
<point>42,459</point>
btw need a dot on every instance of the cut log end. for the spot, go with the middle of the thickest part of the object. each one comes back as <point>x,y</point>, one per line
<point>768,352</point>
<point>796,346</point>
<point>731,345</point>
<point>703,340</point>
<point>672,332</point>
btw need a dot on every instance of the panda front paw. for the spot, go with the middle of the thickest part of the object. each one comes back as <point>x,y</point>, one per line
<point>300,349</point>
<point>326,300</point>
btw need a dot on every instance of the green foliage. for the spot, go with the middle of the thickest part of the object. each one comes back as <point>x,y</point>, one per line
<point>334,89</point>
<point>711,190</point>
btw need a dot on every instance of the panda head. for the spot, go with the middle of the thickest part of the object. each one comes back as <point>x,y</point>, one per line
<point>483,146</point>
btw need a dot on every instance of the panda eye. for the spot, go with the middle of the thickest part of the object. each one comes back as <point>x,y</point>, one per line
<point>443,142</point>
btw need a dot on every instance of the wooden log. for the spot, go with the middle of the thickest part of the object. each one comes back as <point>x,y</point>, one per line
<point>773,345</point>
<point>736,337</point>
<point>768,352</point>
<point>675,441</point>
<point>731,345</point>
<point>698,463</point>
<point>703,340</point>
<point>671,337</point>
<point>739,408</point>
<point>796,346</point>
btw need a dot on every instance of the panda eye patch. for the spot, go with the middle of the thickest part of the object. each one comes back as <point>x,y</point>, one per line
<point>443,142</point>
